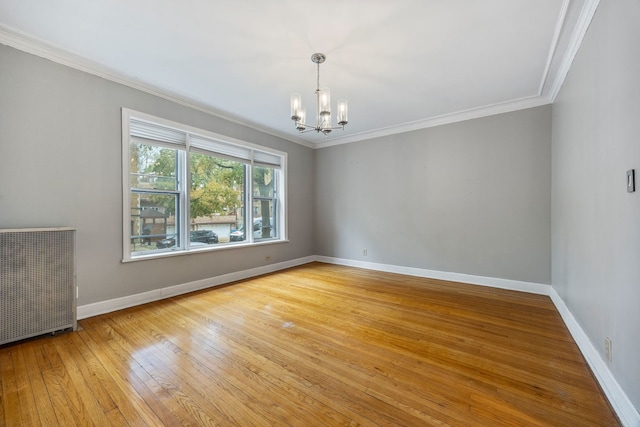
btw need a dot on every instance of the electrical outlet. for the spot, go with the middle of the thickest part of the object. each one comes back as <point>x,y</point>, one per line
<point>364,252</point>
<point>267,258</point>
<point>607,349</point>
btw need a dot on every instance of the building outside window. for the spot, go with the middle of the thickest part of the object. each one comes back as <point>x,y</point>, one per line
<point>191,190</point>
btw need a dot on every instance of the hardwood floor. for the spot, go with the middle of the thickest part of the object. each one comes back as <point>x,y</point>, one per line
<point>316,345</point>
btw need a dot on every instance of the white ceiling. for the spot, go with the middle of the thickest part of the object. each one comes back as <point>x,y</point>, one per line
<point>402,64</point>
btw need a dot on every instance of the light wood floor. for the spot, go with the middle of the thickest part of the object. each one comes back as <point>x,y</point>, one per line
<point>317,345</point>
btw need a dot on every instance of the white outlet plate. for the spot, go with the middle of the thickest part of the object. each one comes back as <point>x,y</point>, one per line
<point>607,349</point>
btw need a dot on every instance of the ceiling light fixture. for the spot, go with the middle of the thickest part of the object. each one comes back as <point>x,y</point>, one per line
<point>323,103</point>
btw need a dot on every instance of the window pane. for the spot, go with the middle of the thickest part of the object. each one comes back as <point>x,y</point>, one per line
<point>264,219</point>
<point>153,222</point>
<point>217,195</point>
<point>264,182</point>
<point>264,204</point>
<point>152,167</point>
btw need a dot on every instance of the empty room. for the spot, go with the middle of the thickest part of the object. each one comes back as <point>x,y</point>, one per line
<point>297,213</point>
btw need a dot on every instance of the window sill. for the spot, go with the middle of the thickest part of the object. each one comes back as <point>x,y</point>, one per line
<point>201,250</point>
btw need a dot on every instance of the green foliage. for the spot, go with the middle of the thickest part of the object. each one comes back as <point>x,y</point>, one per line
<point>154,167</point>
<point>216,184</point>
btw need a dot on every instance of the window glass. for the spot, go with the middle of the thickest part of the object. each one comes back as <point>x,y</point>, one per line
<point>264,202</point>
<point>264,182</point>
<point>153,221</point>
<point>154,199</point>
<point>152,167</point>
<point>264,225</point>
<point>217,194</point>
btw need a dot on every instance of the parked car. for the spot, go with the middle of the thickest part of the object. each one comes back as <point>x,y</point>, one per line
<point>201,236</point>
<point>204,236</point>
<point>238,235</point>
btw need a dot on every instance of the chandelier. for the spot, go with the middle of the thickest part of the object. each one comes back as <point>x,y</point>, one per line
<point>323,105</point>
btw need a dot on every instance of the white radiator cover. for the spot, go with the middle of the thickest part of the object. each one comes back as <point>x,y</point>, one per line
<point>37,282</point>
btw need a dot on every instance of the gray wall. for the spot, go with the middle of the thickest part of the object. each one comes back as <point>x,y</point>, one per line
<point>60,165</point>
<point>470,197</point>
<point>595,222</point>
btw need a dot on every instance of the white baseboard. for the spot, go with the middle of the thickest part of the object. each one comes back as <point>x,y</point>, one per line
<point>515,285</point>
<point>625,410</point>
<point>619,401</point>
<point>102,307</point>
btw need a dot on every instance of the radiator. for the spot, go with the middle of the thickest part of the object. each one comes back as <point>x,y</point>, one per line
<point>37,282</point>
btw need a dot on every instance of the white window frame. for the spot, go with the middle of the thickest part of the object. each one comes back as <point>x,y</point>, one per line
<point>203,141</point>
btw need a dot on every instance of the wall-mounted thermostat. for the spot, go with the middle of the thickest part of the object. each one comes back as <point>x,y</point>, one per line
<point>631,181</point>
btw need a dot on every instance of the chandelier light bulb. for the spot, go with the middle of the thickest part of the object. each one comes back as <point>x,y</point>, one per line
<point>301,118</point>
<point>325,102</point>
<point>326,124</point>
<point>296,105</point>
<point>342,112</point>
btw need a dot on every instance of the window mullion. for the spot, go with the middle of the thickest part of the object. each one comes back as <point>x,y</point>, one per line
<point>186,191</point>
<point>153,191</point>
<point>248,227</point>
<point>182,217</point>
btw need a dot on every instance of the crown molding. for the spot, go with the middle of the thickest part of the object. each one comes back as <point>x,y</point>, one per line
<point>550,84</point>
<point>557,34</point>
<point>472,113</point>
<point>43,49</point>
<point>579,30</point>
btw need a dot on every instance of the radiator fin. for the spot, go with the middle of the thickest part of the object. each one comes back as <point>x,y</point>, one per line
<point>37,282</point>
